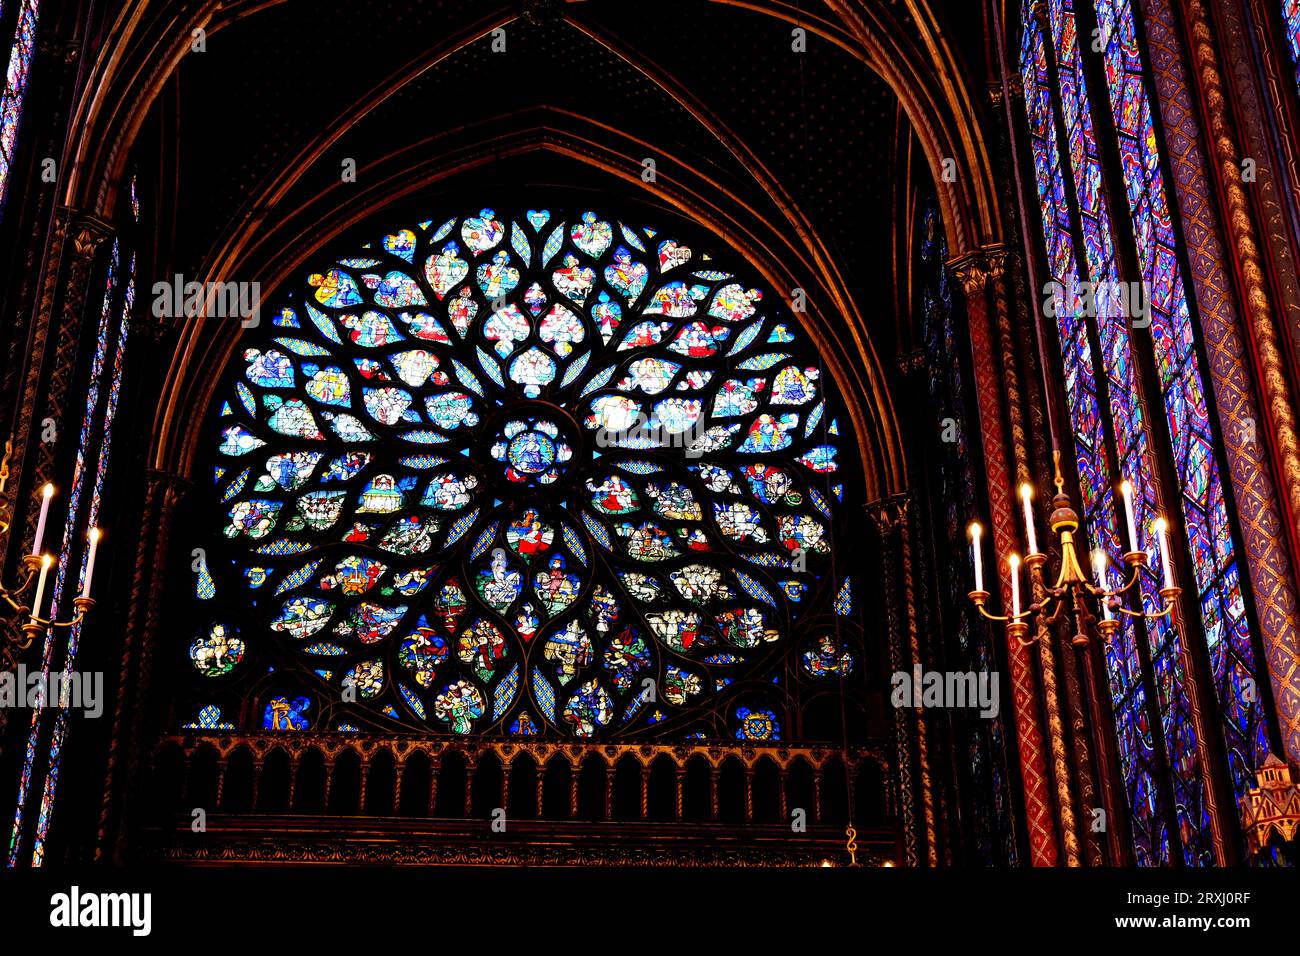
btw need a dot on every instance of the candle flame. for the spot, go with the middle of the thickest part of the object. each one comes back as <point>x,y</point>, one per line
<point>47,560</point>
<point>94,534</point>
<point>1014,561</point>
<point>48,490</point>
<point>1161,525</point>
<point>1026,491</point>
<point>1126,487</point>
<point>1099,559</point>
<point>975,529</point>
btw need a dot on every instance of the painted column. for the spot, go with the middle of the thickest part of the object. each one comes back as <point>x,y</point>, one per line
<point>889,516</point>
<point>162,494</point>
<point>53,345</point>
<point>1244,420</point>
<point>972,273</point>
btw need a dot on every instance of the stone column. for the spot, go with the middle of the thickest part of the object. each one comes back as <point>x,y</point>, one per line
<point>1214,241</point>
<point>162,494</point>
<point>53,346</point>
<point>973,274</point>
<point>888,516</point>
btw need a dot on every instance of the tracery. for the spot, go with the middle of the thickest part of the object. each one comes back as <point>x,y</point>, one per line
<point>523,472</point>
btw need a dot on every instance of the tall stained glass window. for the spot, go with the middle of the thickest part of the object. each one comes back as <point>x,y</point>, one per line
<point>41,764</point>
<point>1112,432</point>
<point>1205,513</point>
<point>525,472</point>
<point>15,87</point>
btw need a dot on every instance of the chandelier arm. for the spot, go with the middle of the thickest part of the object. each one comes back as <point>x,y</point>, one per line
<point>18,588</point>
<point>1135,575</point>
<point>1055,614</point>
<point>82,605</point>
<point>1148,615</point>
<point>1008,618</point>
<point>1016,630</point>
<point>17,637</point>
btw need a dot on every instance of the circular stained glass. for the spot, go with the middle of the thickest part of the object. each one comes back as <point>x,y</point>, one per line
<point>531,452</point>
<point>528,472</point>
<point>217,651</point>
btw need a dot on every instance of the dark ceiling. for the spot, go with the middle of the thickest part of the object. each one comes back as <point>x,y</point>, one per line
<point>820,122</point>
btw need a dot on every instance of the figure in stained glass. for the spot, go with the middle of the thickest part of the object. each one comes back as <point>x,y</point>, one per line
<point>483,436</point>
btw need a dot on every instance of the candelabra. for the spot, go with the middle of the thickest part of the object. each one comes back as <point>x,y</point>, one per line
<point>20,622</point>
<point>1091,609</point>
<point>1072,592</point>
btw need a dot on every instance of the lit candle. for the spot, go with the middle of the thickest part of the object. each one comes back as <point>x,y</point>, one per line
<point>975,532</point>
<point>46,561</point>
<point>90,562</point>
<point>1126,489</point>
<point>1166,560</point>
<point>46,494</point>
<point>1099,566</point>
<point>1014,563</point>
<point>1026,493</point>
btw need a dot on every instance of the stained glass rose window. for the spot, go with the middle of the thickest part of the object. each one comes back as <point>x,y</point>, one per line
<point>514,472</point>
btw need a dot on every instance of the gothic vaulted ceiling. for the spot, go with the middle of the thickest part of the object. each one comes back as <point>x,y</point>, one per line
<point>793,155</point>
<point>712,84</point>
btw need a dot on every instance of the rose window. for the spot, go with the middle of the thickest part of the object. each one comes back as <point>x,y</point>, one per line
<point>531,472</point>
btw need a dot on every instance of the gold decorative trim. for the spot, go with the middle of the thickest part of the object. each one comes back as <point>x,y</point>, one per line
<point>1276,392</point>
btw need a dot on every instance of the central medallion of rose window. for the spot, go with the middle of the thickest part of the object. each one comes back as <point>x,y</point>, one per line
<point>532,450</point>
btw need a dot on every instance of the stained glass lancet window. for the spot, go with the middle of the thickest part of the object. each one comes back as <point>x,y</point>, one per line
<point>1205,514</point>
<point>1100,371</point>
<point>15,87</point>
<point>520,471</point>
<point>90,468</point>
<point>1084,394</point>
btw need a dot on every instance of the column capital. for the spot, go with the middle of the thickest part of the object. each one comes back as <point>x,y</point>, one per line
<point>86,232</point>
<point>166,486</point>
<point>909,363</point>
<point>1015,88</point>
<point>888,514</point>
<point>60,49</point>
<point>976,271</point>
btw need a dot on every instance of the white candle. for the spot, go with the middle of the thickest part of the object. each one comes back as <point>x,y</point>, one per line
<point>1166,560</point>
<point>1126,489</point>
<point>1014,563</point>
<point>1099,566</point>
<point>46,561</point>
<point>1026,494</point>
<point>975,531</point>
<point>90,562</point>
<point>46,494</point>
